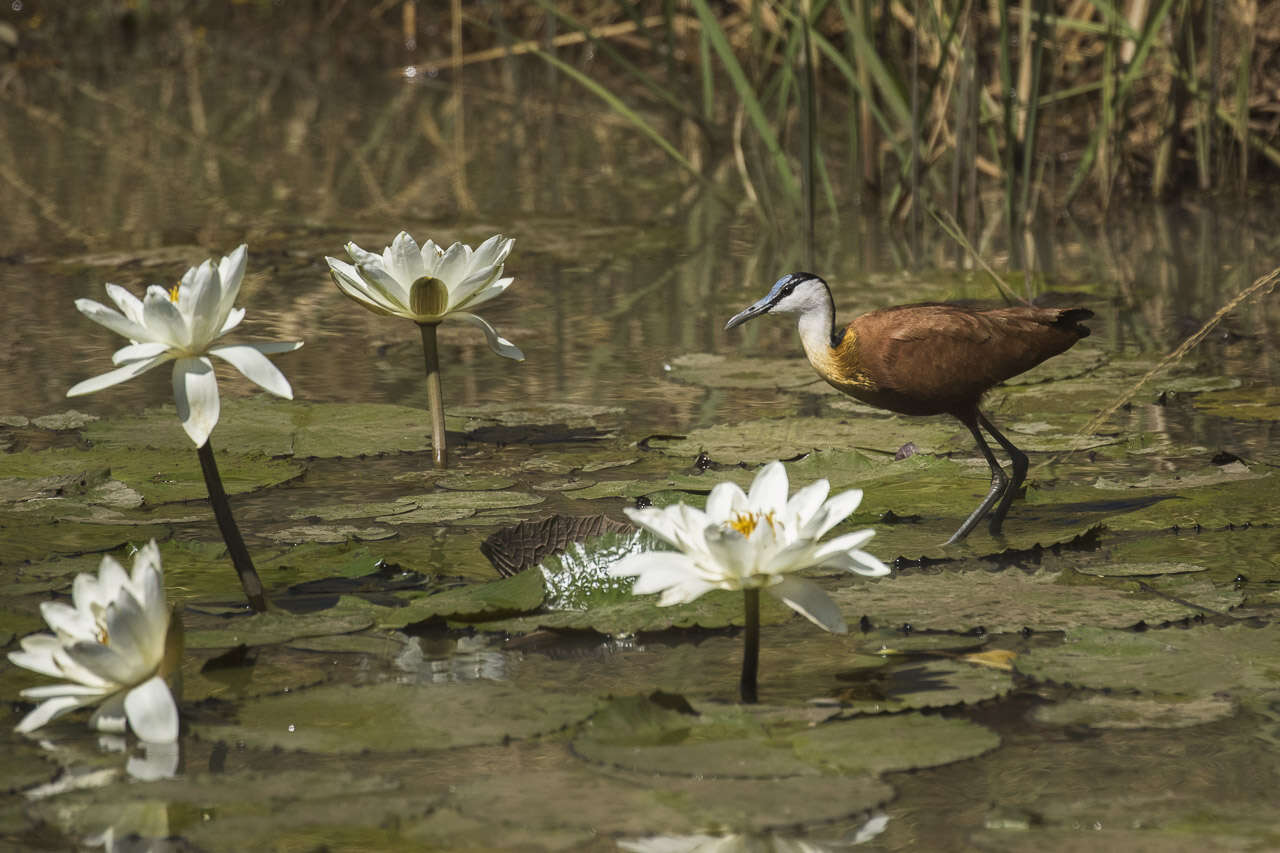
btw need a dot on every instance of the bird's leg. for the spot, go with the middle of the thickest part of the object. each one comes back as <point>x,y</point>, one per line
<point>1019,462</point>
<point>999,480</point>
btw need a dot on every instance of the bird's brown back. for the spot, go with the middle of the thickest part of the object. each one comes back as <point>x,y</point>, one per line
<point>939,359</point>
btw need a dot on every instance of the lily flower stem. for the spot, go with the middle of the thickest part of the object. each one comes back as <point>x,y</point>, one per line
<point>230,532</point>
<point>435,392</point>
<point>750,645</point>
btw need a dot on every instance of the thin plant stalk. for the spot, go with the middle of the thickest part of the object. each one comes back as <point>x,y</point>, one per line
<point>750,646</point>
<point>240,558</point>
<point>435,392</point>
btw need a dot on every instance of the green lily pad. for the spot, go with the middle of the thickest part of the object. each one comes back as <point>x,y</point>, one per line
<point>70,419</point>
<point>264,629</point>
<point>729,371</point>
<point>1129,570</point>
<point>571,415</point>
<point>428,508</point>
<point>328,533</point>
<point>1077,361</point>
<point>879,744</point>
<point>34,542</point>
<point>1188,663</point>
<point>1134,712</point>
<point>159,475</point>
<point>393,718</point>
<point>1006,602</point>
<point>264,676</point>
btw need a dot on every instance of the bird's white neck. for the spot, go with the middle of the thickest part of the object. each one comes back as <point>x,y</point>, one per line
<point>816,326</point>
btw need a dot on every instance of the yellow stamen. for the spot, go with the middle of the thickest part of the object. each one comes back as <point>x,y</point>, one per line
<point>173,293</point>
<point>746,523</point>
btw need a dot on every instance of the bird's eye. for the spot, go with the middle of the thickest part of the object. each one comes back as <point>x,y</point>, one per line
<point>788,288</point>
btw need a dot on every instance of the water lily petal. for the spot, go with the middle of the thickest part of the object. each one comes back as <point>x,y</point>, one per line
<point>256,367</point>
<point>859,562</point>
<point>195,390</point>
<point>482,295</point>
<point>769,489</point>
<point>492,252</point>
<point>114,320</point>
<point>37,655</point>
<point>654,570</point>
<point>151,711</point>
<point>360,256</point>
<point>206,318</point>
<point>452,266</point>
<point>127,631</point>
<point>810,601</point>
<point>360,289</point>
<point>831,513</point>
<point>842,544</point>
<point>733,552</point>
<point>231,274</point>
<point>105,662</point>
<point>402,260</point>
<point>87,692</point>
<point>497,343</point>
<point>47,711</point>
<point>138,352</point>
<point>68,622</point>
<point>164,320</point>
<point>807,501</point>
<point>725,501</point>
<point>115,377</point>
<point>689,589</point>
<point>129,305</point>
<point>234,316</point>
<point>110,715</point>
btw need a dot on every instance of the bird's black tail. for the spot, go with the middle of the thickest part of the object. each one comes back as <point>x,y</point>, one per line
<point>1070,318</point>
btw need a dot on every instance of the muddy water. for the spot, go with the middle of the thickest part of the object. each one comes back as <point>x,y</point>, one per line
<point>134,163</point>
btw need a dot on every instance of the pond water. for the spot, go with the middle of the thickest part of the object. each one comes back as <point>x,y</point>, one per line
<point>1105,675</point>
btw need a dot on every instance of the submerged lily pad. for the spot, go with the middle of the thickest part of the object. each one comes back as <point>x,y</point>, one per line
<point>262,629</point>
<point>1134,712</point>
<point>921,684</point>
<point>393,717</point>
<point>731,371</point>
<point>880,744</point>
<point>1243,404</point>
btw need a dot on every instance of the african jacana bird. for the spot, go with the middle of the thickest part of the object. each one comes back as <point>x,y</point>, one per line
<point>927,359</point>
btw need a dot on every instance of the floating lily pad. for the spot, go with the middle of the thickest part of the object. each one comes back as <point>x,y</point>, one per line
<point>1077,361</point>
<point>263,676</point>
<point>329,533</point>
<point>1190,663</point>
<point>263,629</point>
<point>1005,601</point>
<point>730,371</point>
<point>880,744</point>
<point>431,507</point>
<point>32,542</point>
<point>70,419</point>
<point>571,415</point>
<point>1134,712</point>
<point>158,475</point>
<point>392,717</point>
<point>764,440</point>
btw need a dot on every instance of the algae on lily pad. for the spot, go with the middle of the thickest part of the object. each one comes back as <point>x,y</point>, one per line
<point>394,717</point>
<point>920,684</point>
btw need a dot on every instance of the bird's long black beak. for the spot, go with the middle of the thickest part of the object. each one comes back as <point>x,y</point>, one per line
<point>743,316</point>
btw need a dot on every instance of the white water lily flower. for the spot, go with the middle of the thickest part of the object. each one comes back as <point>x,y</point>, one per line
<point>180,325</point>
<point>758,539</point>
<point>109,647</point>
<point>427,284</point>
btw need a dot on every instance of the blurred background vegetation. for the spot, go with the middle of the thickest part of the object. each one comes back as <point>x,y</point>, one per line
<point>982,117</point>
